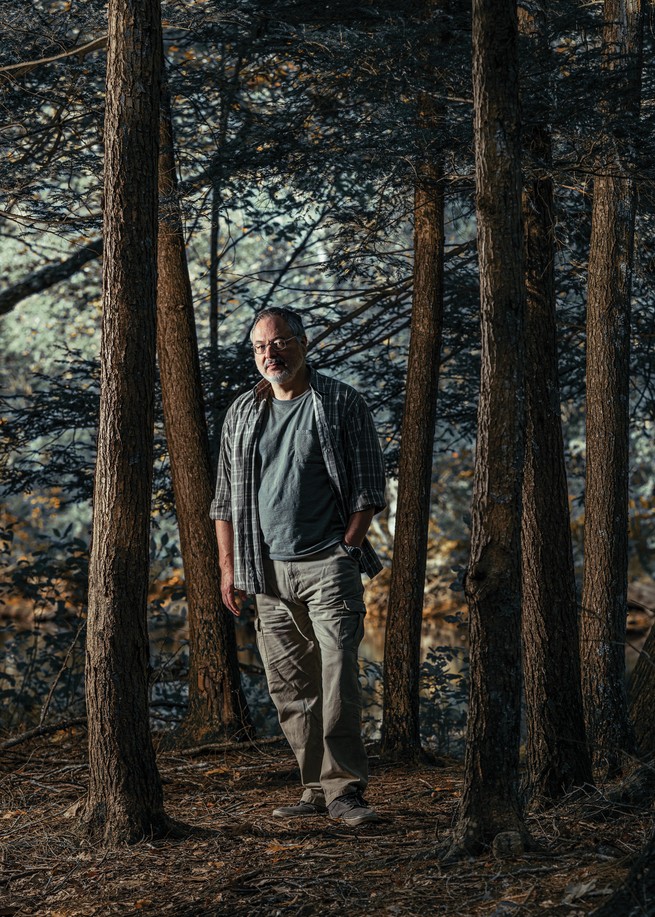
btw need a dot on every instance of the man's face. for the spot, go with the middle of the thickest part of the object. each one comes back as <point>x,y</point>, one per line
<point>278,366</point>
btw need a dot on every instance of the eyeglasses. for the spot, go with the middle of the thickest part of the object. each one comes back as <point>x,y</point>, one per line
<point>275,344</point>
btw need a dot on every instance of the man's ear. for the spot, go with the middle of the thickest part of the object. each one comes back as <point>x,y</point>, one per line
<point>304,342</point>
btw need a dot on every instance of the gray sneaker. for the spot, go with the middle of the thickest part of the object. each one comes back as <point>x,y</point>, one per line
<point>352,810</point>
<point>300,809</point>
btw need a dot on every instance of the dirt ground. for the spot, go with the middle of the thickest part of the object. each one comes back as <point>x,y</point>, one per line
<point>244,862</point>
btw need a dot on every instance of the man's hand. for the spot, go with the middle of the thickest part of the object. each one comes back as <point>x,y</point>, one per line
<point>232,598</point>
<point>225,541</point>
<point>358,526</point>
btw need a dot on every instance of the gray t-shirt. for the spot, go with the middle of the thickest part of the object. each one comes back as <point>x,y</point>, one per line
<point>298,513</point>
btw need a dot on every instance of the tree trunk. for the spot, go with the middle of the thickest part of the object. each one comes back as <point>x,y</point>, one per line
<point>125,799</point>
<point>214,303</point>
<point>217,705</point>
<point>401,737</point>
<point>491,803</point>
<point>604,595</point>
<point>557,754</point>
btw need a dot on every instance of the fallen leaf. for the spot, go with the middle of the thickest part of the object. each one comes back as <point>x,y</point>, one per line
<point>579,890</point>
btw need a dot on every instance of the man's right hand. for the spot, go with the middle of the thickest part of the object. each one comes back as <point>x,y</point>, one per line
<point>232,598</point>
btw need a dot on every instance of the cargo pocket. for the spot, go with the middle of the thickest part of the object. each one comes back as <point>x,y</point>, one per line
<point>351,624</point>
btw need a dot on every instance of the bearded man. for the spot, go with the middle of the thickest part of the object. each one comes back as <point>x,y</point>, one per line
<point>300,477</point>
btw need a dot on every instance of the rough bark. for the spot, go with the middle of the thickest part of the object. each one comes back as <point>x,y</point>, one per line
<point>604,595</point>
<point>217,705</point>
<point>125,799</point>
<point>557,754</point>
<point>401,737</point>
<point>491,804</point>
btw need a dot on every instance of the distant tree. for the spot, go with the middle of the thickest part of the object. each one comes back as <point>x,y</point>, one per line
<point>125,799</point>
<point>401,737</point>
<point>400,725</point>
<point>217,705</point>
<point>604,593</point>
<point>490,802</point>
<point>557,754</point>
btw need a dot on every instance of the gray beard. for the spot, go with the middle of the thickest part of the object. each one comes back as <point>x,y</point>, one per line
<point>278,377</point>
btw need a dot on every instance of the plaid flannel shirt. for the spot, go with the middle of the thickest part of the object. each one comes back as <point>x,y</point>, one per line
<point>352,455</point>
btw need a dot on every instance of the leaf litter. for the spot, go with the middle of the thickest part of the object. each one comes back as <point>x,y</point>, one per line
<point>242,861</point>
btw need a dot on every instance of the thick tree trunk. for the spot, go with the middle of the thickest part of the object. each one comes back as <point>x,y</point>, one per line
<point>125,800</point>
<point>400,727</point>
<point>217,705</point>
<point>604,596</point>
<point>491,803</point>
<point>557,754</point>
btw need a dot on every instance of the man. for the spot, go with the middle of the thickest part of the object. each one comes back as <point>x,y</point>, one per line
<point>300,476</point>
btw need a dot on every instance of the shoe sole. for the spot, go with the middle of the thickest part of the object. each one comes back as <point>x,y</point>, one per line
<point>356,822</point>
<point>277,814</point>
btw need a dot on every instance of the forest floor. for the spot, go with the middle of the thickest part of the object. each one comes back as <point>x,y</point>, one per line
<point>244,862</point>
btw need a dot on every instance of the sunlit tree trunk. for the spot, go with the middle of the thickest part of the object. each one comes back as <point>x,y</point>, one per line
<point>400,726</point>
<point>125,800</point>
<point>604,596</point>
<point>217,705</point>
<point>557,754</point>
<point>490,803</point>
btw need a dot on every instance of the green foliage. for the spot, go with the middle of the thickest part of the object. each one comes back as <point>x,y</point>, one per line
<point>41,674</point>
<point>443,699</point>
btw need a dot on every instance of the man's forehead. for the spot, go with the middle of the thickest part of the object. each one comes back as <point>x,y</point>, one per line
<point>271,325</point>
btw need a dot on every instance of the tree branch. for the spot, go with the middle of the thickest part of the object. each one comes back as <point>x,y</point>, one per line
<point>49,276</point>
<point>27,66</point>
<point>42,731</point>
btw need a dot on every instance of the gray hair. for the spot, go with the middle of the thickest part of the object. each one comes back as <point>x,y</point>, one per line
<point>293,320</point>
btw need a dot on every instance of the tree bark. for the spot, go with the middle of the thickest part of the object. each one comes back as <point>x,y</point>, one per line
<point>604,595</point>
<point>125,799</point>
<point>217,705</point>
<point>490,802</point>
<point>557,754</point>
<point>401,738</point>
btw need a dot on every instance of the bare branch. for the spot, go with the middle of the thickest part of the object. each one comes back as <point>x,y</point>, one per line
<point>27,66</point>
<point>49,276</point>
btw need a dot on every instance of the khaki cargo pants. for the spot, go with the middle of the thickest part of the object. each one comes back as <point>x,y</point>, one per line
<point>309,626</point>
